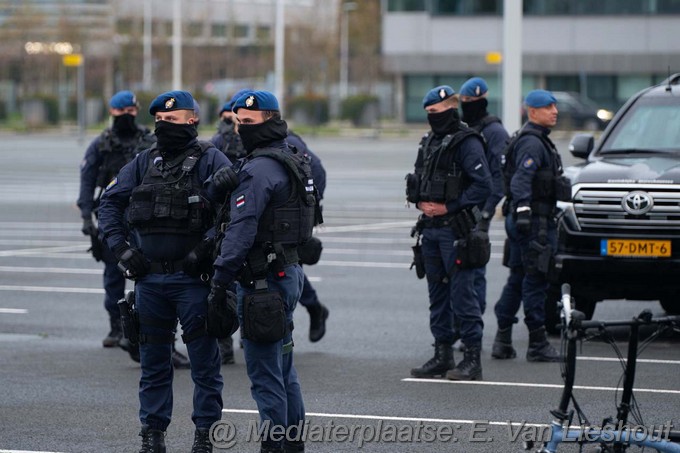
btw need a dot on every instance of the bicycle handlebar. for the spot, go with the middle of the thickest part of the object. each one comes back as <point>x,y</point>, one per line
<point>644,318</point>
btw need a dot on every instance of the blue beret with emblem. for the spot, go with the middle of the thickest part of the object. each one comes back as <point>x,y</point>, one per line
<point>172,100</point>
<point>438,94</point>
<point>474,87</point>
<point>227,106</point>
<point>256,100</point>
<point>197,109</point>
<point>123,99</point>
<point>539,98</point>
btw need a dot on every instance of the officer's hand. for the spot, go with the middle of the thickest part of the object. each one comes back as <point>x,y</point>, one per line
<point>88,228</point>
<point>225,179</point>
<point>523,221</point>
<point>483,225</point>
<point>132,261</point>
<point>222,317</point>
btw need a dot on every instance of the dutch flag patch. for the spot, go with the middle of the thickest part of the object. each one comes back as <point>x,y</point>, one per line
<point>240,201</point>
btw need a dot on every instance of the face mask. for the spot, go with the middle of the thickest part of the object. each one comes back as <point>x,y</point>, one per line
<point>124,124</point>
<point>255,136</point>
<point>445,122</point>
<point>172,138</point>
<point>474,111</point>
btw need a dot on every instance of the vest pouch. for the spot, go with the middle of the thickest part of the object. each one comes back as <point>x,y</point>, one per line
<point>562,188</point>
<point>162,202</point>
<point>453,187</point>
<point>437,187</point>
<point>264,317</point>
<point>287,226</point>
<point>543,186</point>
<point>474,251</point>
<point>180,204</point>
<point>310,251</point>
<point>412,187</point>
<point>141,205</point>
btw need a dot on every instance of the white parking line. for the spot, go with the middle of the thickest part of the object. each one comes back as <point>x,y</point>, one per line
<point>391,418</point>
<point>39,251</point>
<point>51,270</point>
<point>51,289</point>
<point>13,311</point>
<point>536,385</point>
<point>26,451</point>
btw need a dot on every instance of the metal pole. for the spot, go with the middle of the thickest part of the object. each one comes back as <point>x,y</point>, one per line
<point>279,50</point>
<point>344,52</point>
<point>177,46</point>
<point>81,99</point>
<point>147,46</point>
<point>512,64</point>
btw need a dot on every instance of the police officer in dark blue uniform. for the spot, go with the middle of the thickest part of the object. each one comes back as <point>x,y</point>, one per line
<point>451,179</point>
<point>227,139</point>
<point>106,155</point>
<point>318,312</point>
<point>164,195</point>
<point>534,176</point>
<point>473,103</point>
<point>272,212</point>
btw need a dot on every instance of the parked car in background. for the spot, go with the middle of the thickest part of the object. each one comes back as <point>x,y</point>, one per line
<point>619,237</point>
<point>578,113</point>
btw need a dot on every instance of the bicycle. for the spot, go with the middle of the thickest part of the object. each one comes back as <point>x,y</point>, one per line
<point>615,435</point>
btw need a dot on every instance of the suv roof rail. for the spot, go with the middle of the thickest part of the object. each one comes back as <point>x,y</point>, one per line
<point>672,80</point>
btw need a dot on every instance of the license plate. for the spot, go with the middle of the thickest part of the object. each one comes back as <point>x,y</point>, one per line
<point>635,247</point>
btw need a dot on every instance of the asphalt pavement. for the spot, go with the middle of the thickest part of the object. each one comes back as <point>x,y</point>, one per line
<point>60,391</point>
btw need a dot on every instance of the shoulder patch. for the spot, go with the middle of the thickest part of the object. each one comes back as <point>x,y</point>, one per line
<point>528,163</point>
<point>240,201</point>
<point>113,182</point>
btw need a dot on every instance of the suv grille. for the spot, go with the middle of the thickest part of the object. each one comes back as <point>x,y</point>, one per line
<point>600,209</point>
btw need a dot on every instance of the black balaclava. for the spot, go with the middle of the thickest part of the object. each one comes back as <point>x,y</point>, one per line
<point>255,136</point>
<point>474,111</point>
<point>124,124</point>
<point>445,122</point>
<point>172,138</point>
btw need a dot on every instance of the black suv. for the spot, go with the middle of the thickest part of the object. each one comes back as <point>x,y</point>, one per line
<point>619,237</point>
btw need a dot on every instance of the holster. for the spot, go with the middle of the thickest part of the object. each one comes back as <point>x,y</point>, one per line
<point>464,221</point>
<point>473,251</point>
<point>129,317</point>
<point>418,260</point>
<point>310,251</point>
<point>264,317</point>
<point>540,259</point>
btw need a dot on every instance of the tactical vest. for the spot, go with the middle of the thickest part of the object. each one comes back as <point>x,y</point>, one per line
<point>233,146</point>
<point>548,185</point>
<point>488,119</point>
<point>441,178</point>
<point>116,152</point>
<point>290,224</point>
<point>169,198</point>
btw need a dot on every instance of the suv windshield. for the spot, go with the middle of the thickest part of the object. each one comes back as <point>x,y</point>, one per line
<point>651,124</point>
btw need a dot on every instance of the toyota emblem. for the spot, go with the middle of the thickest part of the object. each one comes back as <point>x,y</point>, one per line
<point>637,202</point>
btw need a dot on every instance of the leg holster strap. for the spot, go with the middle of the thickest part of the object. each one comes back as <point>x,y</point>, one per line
<point>195,334</point>
<point>164,324</point>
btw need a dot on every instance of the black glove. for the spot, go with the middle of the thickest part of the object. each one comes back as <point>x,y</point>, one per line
<point>199,260</point>
<point>225,179</point>
<point>485,222</point>
<point>523,221</point>
<point>88,228</point>
<point>222,317</point>
<point>131,261</point>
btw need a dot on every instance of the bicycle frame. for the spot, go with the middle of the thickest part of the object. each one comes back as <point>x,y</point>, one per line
<point>619,437</point>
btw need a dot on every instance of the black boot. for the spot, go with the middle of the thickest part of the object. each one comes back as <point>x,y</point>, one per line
<point>202,442</point>
<point>317,322</point>
<point>293,447</point>
<point>226,350</point>
<point>540,350</point>
<point>179,360</point>
<point>153,440</point>
<point>438,365</point>
<point>470,369</point>
<point>113,337</point>
<point>502,345</point>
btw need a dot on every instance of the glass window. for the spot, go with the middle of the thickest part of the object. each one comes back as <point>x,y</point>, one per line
<point>609,6</point>
<point>665,7</point>
<point>563,83</point>
<point>466,7</point>
<point>547,7</point>
<point>602,88</point>
<point>218,30</point>
<point>194,29</point>
<point>263,32</point>
<point>240,31</point>
<point>416,88</point>
<point>406,5</point>
<point>629,85</point>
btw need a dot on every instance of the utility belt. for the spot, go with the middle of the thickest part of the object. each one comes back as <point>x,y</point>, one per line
<point>462,222</point>
<point>166,267</point>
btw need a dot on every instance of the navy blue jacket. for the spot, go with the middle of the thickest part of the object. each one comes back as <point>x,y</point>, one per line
<point>496,139</point>
<point>116,197</point>
<point>531,155</point>
<point>262,181</point>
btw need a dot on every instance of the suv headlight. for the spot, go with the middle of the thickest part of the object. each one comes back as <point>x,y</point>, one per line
<point>605,115</point>
<point>568,214</point>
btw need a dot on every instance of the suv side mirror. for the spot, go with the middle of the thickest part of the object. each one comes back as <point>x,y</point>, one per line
<point>581,145</point>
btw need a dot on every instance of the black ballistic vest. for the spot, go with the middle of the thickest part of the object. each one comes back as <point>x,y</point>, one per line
<point>116,152</point>
<point>169,199</point>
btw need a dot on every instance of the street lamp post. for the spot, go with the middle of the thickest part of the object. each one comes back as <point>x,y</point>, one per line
<point>344,48</point>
